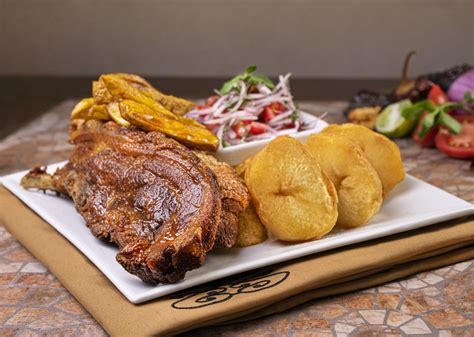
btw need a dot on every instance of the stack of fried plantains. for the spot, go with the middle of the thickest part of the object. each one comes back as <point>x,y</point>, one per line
<point>130,100</point>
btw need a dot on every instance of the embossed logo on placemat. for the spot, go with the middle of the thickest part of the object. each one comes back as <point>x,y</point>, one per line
<point>223,293</point>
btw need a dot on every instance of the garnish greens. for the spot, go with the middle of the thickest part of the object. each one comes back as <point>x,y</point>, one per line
<point>248,77</point>
<point>438,114</point>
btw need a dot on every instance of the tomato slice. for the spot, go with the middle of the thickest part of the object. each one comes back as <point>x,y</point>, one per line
<point>271,111</point>
<point>257,128</point>
<point>240,129</point>
<point>437,95</point>
<point>267,114</point>
<point>277,108</point>
<point>458,146</point>
<point>208,103</point>
<point>211,100</point>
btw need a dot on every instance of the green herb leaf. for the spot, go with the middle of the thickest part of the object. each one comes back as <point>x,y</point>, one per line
<point>438,115</point>
<point>262,79</point>
<point>428,123</point>
<point>225,144</point>
<point>250,70</point>
<point>414,111</point>
<point>228,86</point>
<point>468,97</point>
<point>295,115</point>
<point>247,76</point>
<point>453,125</point>
<point>469,100</point>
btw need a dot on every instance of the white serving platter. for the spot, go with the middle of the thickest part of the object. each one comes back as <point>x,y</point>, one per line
<point>412,204</point>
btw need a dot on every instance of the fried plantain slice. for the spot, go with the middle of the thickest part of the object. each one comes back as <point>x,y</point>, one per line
<point>81,109</point>
<point>100,93</point>
<point>99,112</point>
<point>133,87</point>
<point>87,109</point>
<point>294,199</point>
<point>382,153</point>
<point>357,183</point>
<point>178,128</point>
<point>113,109</point>
<point>174,104</point>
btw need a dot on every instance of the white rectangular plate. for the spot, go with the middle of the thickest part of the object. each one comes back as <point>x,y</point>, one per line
<point>412,204</point>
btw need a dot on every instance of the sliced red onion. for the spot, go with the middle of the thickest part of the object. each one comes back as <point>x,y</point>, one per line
<point>287,131</point>
<point>220,131</point>
<point>282,124</point>
<point>271,129</point>
<point>243,93</point>
<point>255,96</point>
<point>264,89</point>
<point>280,117</point>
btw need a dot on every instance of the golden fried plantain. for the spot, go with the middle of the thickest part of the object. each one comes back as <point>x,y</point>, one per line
<point>81,109</point>
<point>113,109</point>
<point>119,89</point>
<point>294,199</point>
<point>100,93</point>
<point>99,112</point>
<point>87,109</point>
<point>130,100</point>
<point>177,128</point>
<point>382,153</point>
<point>358,186</point>
<point>129,86</point>
<point>174,104</point>
<point>251,230</point>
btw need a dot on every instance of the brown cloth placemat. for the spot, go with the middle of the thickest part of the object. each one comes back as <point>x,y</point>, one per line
<point>244,296</point>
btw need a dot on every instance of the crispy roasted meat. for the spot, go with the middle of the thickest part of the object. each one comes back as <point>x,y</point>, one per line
<point>234,196</point>
<point>145,192</point>
<point>164,205</point>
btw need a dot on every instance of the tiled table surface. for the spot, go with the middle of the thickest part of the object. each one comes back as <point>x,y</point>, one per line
<point>434,303</point>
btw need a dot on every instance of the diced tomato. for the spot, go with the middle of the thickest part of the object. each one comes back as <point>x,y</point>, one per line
<point>277,108</point>
<point>267,114</point>
<point>437,95</point>
<point>429,139</point>
<point>257,128</point>
<point>211,127</point>
<point>458,146</point>
<point>271,111</point>
<point>211,100</point>
<point>240,129</point>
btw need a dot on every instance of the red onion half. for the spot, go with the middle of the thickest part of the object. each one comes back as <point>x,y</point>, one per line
<point>459,87</point>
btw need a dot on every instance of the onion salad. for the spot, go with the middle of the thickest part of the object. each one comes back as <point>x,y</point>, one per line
<point>251,107</point>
